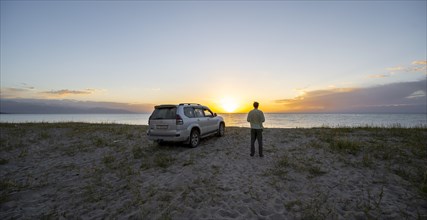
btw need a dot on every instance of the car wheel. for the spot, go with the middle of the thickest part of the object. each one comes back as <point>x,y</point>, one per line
<point>194,138</point>
<point>221,130</point>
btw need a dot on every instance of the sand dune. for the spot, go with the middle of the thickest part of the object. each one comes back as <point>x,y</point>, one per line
<point>94,171</point>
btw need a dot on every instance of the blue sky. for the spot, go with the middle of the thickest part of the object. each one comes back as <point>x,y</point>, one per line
<point>167,52</point>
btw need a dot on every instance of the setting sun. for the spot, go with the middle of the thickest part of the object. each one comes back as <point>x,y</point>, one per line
<point>229,104</point>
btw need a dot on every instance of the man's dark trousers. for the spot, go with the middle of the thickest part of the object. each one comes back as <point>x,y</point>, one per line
<point>256,134</point>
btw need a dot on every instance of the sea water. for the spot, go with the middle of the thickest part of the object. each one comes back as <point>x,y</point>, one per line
<point>239,120</point>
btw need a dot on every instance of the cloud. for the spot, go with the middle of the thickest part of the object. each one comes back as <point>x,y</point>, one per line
<point>418,69</point>
<point>12,92</point>
<point>407,69</point>
<point>15,89</point>
<point>26,86</point>
<point>419,62</point>
<point>378,76</point>
<point>417,66</point>
<point>417,94</point>
<point>403,97</point>
<point>55,106</point>
<point>66,92</point>
<point>26,91</point>
<point>28,99</point>
<point>395,69</point>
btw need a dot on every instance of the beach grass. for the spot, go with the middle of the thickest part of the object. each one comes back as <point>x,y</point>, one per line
<point>79,170</point>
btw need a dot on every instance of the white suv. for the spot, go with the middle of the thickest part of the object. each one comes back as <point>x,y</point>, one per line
<point>186,122</point>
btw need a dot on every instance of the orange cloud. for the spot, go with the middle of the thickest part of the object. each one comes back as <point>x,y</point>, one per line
<point>66,92</point>
<point>397,68</point>
<point>11,92</point>
<point>34,106</point>
<point>419,62</point>
<point>26,91</point>
<point>417,66</point>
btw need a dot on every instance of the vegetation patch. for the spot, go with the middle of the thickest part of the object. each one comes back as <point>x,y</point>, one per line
<point>280,168</point>
<point>163,160</point>
<point>346,146</point>
<point>423,184</point>
<point>3,161</point>
<point>109,160</point>
<point>44,135</point>
<point>303,165</point>
<point>318,208</point>
<point>137,152</point>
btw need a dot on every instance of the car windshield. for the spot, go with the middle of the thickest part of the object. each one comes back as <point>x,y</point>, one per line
<point>164,113</point>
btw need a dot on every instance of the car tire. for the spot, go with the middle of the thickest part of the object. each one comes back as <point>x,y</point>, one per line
<point>194,138</point>
<point>221,130</point>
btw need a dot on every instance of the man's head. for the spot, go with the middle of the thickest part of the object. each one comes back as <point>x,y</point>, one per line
<point>256,104</point>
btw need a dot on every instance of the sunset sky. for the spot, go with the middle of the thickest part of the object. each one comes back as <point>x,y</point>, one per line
<point>291,56</point>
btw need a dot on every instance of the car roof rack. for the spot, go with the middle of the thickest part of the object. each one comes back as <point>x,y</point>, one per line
<point>165,106</point>
<point>189,104</point>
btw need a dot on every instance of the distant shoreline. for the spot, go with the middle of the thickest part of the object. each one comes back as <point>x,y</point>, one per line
<point>133,113</point>
<point>128,113</point>
<point>237,127</point>
<point>239,120</point>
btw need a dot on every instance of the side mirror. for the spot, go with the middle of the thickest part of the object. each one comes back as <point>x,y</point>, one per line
<point>215,114</point>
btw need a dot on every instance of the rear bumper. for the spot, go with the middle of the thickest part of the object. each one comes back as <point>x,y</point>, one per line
<point>175,137</point>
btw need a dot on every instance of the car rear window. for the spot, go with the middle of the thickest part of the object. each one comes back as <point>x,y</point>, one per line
<point>164,113</point>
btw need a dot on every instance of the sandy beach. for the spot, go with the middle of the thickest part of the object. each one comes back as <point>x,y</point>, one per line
<point>97,171</point>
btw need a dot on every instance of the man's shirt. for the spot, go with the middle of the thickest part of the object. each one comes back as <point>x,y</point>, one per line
<point>256,118</point>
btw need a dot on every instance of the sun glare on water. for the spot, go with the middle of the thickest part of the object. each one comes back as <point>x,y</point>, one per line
<point>229,104</point>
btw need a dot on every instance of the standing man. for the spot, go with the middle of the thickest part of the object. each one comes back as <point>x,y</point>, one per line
<point>256,118</point>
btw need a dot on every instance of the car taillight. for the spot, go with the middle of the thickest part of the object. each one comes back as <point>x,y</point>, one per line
<point>179,120</point>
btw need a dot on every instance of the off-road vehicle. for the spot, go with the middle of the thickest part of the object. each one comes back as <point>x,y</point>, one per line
<point>186,122</point>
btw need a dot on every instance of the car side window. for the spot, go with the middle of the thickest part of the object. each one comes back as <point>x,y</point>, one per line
<point>199,113</point>
<point>189,112</point>
<point>208,113</point>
